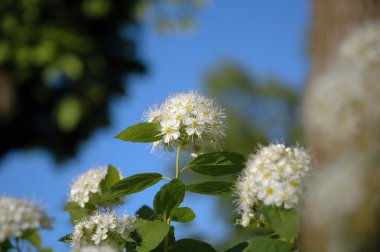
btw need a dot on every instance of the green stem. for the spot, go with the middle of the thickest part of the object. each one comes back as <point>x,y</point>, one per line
<point>177,172</point>
<point>166,178</point>
<point>183,169</point>
<point>166,246</point>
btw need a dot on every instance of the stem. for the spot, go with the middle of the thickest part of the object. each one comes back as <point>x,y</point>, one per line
<point>183,169</point>
<point>177,172</point>
<point>166,178</point>
<point>166,246</point>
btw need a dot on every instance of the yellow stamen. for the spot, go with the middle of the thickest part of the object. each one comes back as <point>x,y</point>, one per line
<point>269,191</point>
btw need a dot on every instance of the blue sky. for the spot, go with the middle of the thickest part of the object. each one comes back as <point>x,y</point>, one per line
<point>266,37</point>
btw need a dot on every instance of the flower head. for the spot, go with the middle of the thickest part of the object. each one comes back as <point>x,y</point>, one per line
<point>86,185</point>
<point>103,229</point>
<point>272,177</point>
<point>188,119</point>
<point>17,216</point>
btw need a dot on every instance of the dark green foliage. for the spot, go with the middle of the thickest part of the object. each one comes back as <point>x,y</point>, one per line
<point>145,212</point>
<point>152,233</point>
<point>5,245</point>
<point>218,163</point>
<point>211,187</point>
<point>111,178</point>
<point>239,247</point>
<point>65,238</point>
<point>61,63</point>
<point>260,244</point>
<point>135,183</point>
<point>284,222</point>
<point>191,245</point>
<point>168,199</point>
<point>170,240</point>
<point>183,214</point>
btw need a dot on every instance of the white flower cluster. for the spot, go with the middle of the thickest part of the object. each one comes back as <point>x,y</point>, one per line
<point>87,184</point>
<point>103,229</point>
<point>17,216</point>
<point>187,119</point>
<point>342,106</point>
<point>272,177</point>
<point>362,46</point>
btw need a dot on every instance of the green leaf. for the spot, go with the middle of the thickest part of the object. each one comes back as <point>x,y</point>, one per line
<point>76,212</point>
<point>142,132</point>
<point>260,244</point>
<point>152,233</point>
<point>170,240</point>
<point>34,238</point>
<point>191,245</point>
<point>5,245</point>
<point>241,247</point>
<point>284,222</point>
<point>145,212</point>
<point>169,198</point>
<point>218,163</point>
<point>211,187</point>
<point>65,238</point>
<point>183,214</point>
<point>135,183</point>
<point>111,178</point>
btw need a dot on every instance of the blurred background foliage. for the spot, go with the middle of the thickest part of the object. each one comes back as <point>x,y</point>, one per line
<point>258,109</point>
<point>61,63</point>
<point>167,16</point>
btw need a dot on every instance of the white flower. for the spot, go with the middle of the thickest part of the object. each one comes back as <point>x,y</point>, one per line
<point>18,215</point>
<point>189,120</point>
<point>194,126</point>
<point>152,114</point>
<point>86,185</point>
<point>103,228</point>
<point>100,234</point>
<point>170,130</point>
<point>272,177</point>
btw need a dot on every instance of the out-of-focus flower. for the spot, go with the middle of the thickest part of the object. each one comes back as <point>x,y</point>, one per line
<point>342,106</point>
<point>362,45</point>
<point>273,176</point>
<point>19,215</point>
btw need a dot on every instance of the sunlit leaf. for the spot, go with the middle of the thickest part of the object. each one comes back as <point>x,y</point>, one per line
<point>142,132</point>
